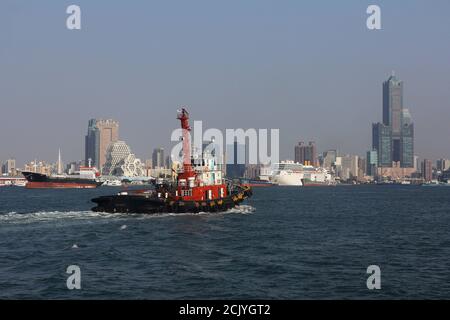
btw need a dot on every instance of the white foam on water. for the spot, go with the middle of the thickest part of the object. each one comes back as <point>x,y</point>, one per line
<point>242,209</point>
<point>48,216</point>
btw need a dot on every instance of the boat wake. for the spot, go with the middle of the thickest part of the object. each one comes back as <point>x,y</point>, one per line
<point>49,216</point>
<point>46,216</point>
<point>242,209</point>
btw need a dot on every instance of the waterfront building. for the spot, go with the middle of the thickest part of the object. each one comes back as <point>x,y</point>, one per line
<point>362,165</point>
<point>158,158</point>
<point>148,163</point>
<point>394,137</point>
<point>73,167</point>
<point>252,171</point>
<point>395,172</point>
<point>329,159</point>
<point>121,162</point>
<point>38,167</point>
<point>347,167</point>
<point>101,133</point>
<point>417,167</point>
<point>168,162</point>
<point>9,167</point>
<point>445,176</point>
<point>427,170</point>
<point>372,163</point>
<point>166,173</point>
<point>443,165</point>
<point>306,154</point>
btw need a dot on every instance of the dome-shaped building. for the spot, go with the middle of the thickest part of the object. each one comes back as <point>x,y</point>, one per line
<point>121,162</point>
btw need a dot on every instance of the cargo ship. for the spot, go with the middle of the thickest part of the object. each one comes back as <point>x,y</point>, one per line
<point>85,179</point>
<point>198,186</point>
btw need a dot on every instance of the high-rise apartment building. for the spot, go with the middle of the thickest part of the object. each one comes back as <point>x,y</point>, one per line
<point>100,134</point>
<point>306,154</point>
<point>427,170</point>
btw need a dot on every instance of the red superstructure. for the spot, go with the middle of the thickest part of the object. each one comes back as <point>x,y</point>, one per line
<point>190,185</point>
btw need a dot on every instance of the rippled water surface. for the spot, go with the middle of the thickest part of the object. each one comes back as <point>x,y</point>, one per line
<point>284,243</point>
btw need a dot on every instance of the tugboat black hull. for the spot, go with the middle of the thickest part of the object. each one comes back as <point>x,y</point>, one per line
<point>139,203</point>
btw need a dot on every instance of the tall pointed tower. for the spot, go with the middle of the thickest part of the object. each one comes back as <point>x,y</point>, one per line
<point>59,165</point>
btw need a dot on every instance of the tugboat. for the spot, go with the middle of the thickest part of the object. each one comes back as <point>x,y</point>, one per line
<point>197,188</point>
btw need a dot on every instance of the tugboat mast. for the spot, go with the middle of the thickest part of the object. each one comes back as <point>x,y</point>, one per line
<point>188,172</point>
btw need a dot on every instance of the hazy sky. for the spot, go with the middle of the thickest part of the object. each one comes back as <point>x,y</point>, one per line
<point>309,68</point>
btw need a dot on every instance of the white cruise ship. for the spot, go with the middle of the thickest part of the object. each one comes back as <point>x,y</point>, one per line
<point>290,173</point>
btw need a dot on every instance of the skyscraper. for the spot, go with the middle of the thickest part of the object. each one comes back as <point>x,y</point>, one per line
<point>100,134</point>
<point>109,132</point>
<point>158,158</point>
<point>306,154</point>
<point>382,143</point>
<point>92,142</point>
<point>407,141</point>
<point>394,137</point>
<point>393,104</point>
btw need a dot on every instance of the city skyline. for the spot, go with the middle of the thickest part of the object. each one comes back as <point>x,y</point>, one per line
<point>321,85</point>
